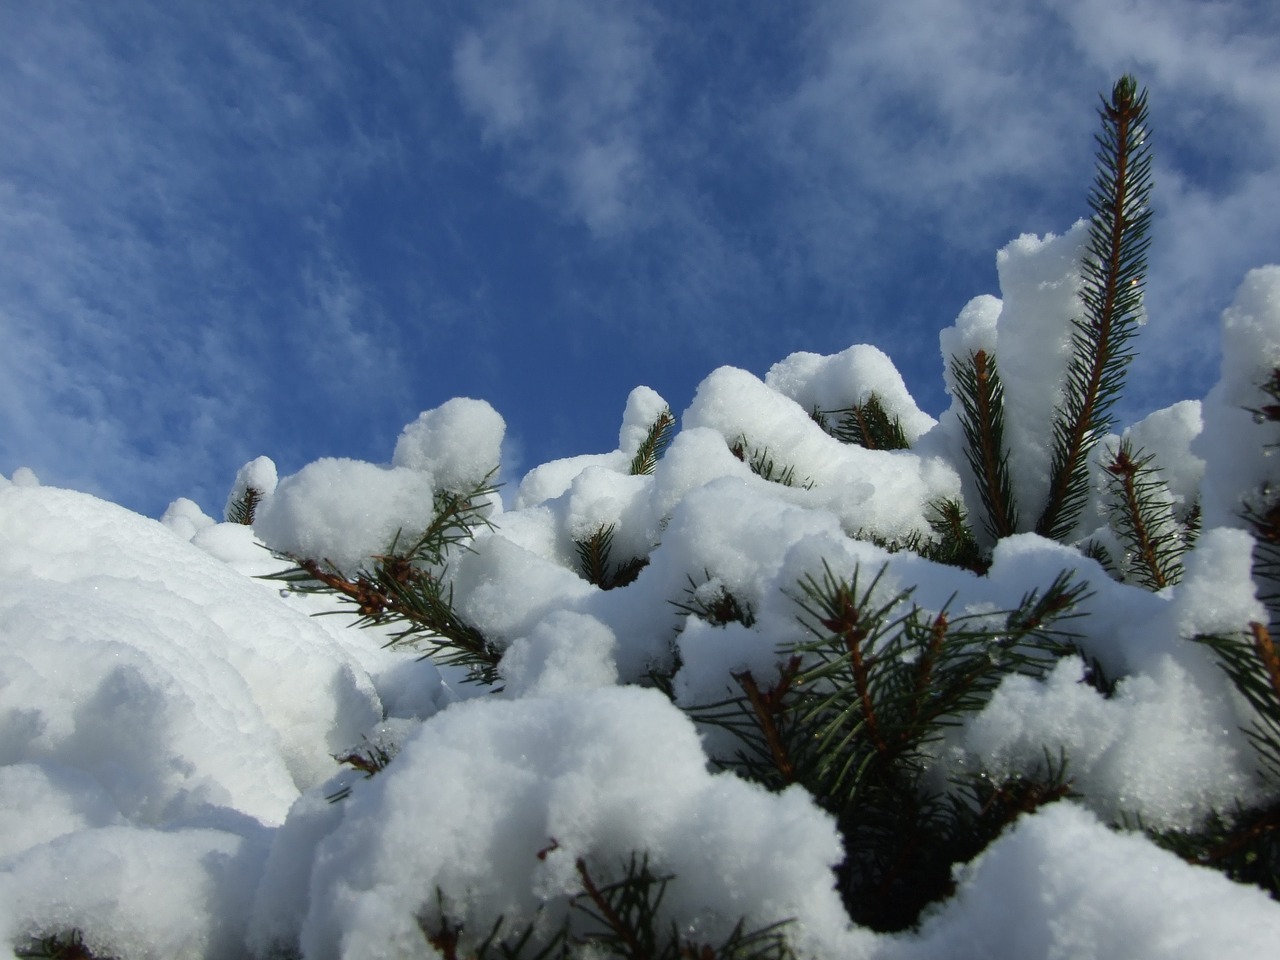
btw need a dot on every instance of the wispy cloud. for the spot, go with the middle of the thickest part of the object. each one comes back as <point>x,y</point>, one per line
<point>562,86</point>
<point>153,161</point>
<point>239,229</point>
<point>971,122</point>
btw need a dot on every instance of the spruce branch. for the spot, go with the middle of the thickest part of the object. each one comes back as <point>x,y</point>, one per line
<point>981,396</point>
<point>1099,554</point>
<point>245,509</point>
<point>1114,272</point>
<point>654,444</point>
<point>595,560</point>
<point>626,922</point>
<point>1143,518</point>
<point>1262,514</point>
<point>712,602</point>
<point>857,703</point>
<point>769,709</point>
<point>370,759</point>
<point>58,947</point>
<point>762,464</point>
<point>448,937</point>
<point>867,424</point>
<point>1191,525</point>
<point>956,546</point>
<point>1252,664</point>
<point>406,587</point>
<point>1244,844</point>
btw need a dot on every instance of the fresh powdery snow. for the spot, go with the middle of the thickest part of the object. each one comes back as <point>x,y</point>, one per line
<point>170,720</point>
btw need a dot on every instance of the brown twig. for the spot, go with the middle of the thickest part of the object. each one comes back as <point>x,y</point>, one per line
<point>1265,647</point>
<point>1126,470</point>
<point>768,706</point>
<point>607,913</point>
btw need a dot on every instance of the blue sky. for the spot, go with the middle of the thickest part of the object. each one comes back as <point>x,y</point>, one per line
<point>240,228</point>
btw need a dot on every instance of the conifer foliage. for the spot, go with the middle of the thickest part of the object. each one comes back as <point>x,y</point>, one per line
<point>1114,276</point>
<point>982,400</point>
<point>868,425</point>
<point>406,587</point>
<point>620,918</point>
<point>245,509</point>
<point>861,697</point>
<point>854,707</point>
<point>1154,539</point>
<point>1245,843</point>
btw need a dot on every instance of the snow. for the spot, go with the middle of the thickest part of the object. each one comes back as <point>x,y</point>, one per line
<point>1029,330</point>
<point>170,721</point>
<point>847,379</point>
<point>1237,469</point>
<point>259,474</point>
<point>1108,896</point>
<point>459,443</point>
<point>346,511</point>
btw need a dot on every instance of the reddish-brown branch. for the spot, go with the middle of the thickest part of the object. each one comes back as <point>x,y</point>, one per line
<point>1265,647</point>
<point>1268,822</point>
<point>371,599</point>
<point>1126,469</point>
<point>924,673</point>
<point>768,706</point>
<point>1123,117</point>
<point>607,913</point>
<point>861,680</point>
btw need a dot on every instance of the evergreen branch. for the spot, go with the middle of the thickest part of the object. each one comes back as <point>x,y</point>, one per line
<point>626,915</point>
<point>1114,272</point>
<point>1191,525</point>
<point>406,585</point>
<point>371,759</point>
<point>622,932</point>
<point>1263,514</point>
<point>986,806</point>
<point>856,705</point>
<point>448,940</point>
<point>58,947</point>
<point>981,396</point>
<point>1252,664</point>
<point>868,424</point>
<point>770,710</point>
<point>593,555</point>
<point>594,561</point>
<point>1099,554</point>
<point>1265,648</point>
<point>762,464</point>
<point>719,608</point>
<point>1245,845</point>
<point>1264,524</point>
<point>956,545</point>
<point>245,509</point>
<point>1143,518</point>
<point>654,444</point>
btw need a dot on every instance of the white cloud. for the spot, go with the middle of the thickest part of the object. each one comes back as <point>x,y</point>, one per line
<point>143,153</point>
<point>972,122</point>
<point>562,86</point>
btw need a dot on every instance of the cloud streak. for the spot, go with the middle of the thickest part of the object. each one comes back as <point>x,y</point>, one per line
<point>238,230</point>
